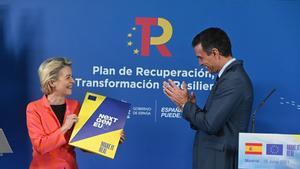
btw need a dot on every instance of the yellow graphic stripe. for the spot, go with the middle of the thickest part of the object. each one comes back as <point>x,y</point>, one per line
<point>87,109</point>
<point>93,144</point>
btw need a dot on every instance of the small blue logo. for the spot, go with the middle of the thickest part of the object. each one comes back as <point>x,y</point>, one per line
<point>274,149</point>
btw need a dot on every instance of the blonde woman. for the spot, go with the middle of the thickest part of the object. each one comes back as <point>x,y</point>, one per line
<point>51,118</point>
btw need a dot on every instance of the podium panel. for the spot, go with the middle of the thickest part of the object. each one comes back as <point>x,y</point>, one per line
<point>269,151</point>
<point>4,145</point>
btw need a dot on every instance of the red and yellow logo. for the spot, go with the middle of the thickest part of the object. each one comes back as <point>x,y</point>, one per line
<point>146,38</point>
<point>253,148</point>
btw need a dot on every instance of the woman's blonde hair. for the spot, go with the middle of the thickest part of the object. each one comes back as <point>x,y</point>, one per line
<point>48,71</point>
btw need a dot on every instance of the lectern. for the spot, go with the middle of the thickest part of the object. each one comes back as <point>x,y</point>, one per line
<point>4,145</point>
<point>269,151</point>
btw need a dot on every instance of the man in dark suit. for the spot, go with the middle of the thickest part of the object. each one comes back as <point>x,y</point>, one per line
<point>227,109</point>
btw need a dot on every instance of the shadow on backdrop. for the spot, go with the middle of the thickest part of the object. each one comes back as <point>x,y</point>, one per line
<point>16,57</point>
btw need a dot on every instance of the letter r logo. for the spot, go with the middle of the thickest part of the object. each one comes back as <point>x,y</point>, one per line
<point>160,41</point>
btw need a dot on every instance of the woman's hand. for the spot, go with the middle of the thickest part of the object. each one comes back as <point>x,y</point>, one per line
<point>122,139</point>
<point>70,120</point>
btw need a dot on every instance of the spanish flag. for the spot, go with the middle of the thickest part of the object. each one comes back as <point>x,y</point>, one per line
<point>253,148</point>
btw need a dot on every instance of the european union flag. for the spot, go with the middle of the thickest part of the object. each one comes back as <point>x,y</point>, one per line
<point>274,149</point>
<point>90,97</point>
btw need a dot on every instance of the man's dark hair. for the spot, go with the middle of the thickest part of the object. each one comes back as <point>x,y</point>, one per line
<point>213,38</point>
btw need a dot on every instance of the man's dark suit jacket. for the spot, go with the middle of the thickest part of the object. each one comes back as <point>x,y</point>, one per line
<point>226,113</point>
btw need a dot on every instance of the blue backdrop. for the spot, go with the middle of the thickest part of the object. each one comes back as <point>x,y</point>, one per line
<point>106,34</point>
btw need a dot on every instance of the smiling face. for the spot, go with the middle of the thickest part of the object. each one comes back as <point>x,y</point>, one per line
<point>63,85</point>
<point>209,61</point>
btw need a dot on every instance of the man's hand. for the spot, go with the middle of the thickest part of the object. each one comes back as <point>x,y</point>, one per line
<point>176,95</point>
<point>192,98</point>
